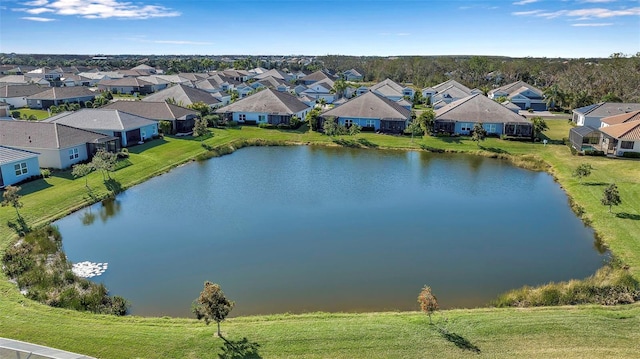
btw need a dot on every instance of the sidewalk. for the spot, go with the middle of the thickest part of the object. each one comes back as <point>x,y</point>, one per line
<point>10,348</point>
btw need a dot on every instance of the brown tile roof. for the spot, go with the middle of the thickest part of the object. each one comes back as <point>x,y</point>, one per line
<point>622,118</point>
<point>623,131</point>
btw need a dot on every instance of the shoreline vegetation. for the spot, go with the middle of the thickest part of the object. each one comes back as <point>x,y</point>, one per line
<point>48,199</point>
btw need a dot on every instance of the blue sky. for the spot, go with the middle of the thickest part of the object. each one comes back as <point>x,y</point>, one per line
<point>517,28</point>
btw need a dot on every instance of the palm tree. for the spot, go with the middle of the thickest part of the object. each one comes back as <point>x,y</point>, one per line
<point>554,97</point>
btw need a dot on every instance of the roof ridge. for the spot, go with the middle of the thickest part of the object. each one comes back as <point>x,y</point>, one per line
<point>459,102</point>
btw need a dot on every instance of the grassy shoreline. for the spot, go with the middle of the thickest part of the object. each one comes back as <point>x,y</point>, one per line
<point>324,335</point>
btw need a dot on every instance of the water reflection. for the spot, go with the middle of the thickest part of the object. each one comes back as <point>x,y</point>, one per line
<point>109,209</point>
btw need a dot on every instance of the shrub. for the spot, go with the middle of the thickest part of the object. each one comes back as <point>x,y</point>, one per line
<point>232,124</point>
<point>124,153</point>
<point>283,126</point>
<point>631,154</point>
<point>594,153</point>
<point>265,125</point>
<point>15,114</point>
<point>45,173</point>
<point>573,150</point>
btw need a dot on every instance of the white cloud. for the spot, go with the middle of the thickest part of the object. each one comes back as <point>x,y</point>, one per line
<point>99,9</point>
<point>38,10</point>
<point>181,42</point>
<point>39,19</point>
<point>525,2</point>
<point>593,24</point>
<point>581,14</point>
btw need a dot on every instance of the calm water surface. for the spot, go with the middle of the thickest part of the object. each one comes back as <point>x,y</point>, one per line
<point>297,229</point>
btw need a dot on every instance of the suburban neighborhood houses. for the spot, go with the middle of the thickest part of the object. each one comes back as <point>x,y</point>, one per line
<point>131,103</point>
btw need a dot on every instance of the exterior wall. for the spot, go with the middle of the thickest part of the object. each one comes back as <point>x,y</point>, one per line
<point>15,102</point>
<point>619,151</point>
<point>258,117</point>
<point>362,122</point>
<point>9,176</point>
<point>493,128</point>
<point>65,158</point>
<point>594,122</point>
<point>149,131</point>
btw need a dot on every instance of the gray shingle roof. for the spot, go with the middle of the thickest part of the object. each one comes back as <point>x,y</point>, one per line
<point>152,110</point>
<point>478,108</point>
<point>444,85</point>
<point>8,155</point>
<point>19,90</point>
<point>516,87</point>
<point>33,134</point>
<point>269,101</point>
<point>102,119</point>
<point>370,105</point>
<point>59,93</point>
<point>387,83</point>
<point>183,94</point>
<point>606,109</point>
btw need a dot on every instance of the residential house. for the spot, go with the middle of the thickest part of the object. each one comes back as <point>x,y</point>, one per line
<point>178,79</point>
<point>129,128</point>
<point>273,73</point>
<point>392,90</point>
<point>182,119</point>
<point>592,115</point>
<point>584,138</point>
<point>58,146</point>
<point>266,106</point>
<point>17,166</point>
<point>460,116</point>
<point>318,91</point>
<point>128,85</point>
<point>16,95</point>
<point>237,75</point>
<point>315,77</point>
<point>56,96</point>
<point>352,75</point>
<point>445,92</point>
<point>521,94</point>
<point>621,133</point>
<point>182,95</point>
<point>22,80</point>
<point>372,112</point>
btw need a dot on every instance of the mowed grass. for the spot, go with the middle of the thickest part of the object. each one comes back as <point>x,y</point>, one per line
<point>572,332</point>
<point>40,114</point>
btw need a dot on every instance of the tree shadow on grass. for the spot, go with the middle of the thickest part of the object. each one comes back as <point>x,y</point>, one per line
<point>493,149</point>
<point>460,341</point>
<point>456,139</point>
<point>19,226</point>
<point>594,183</point>
<point>632,216</point>
<point>239,349</point>
<point>113,185</point>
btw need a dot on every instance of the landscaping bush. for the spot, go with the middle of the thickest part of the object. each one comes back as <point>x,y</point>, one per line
<point>15,114</point>
<point>232,124</point>
<point>124,153</point>
<point>45,173</point>
<point>631,154</point>
<point>594,153</point>
<point>283,126</point>
<point>266,125</point>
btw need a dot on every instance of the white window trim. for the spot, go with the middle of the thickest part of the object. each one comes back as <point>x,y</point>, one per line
<point>21,169</point>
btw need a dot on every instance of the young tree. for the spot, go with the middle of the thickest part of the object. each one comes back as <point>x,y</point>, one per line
<point>583,170</point>
<point>212,305</point>
<point>330,127</point>
<point>539,126</point>
<point>201,107</point>
<point>312,119</point>
<point>611,196</point>
<point>165,127</point>
<point>427,120</point>
<point>11,197</point>
<point>354,129</point>
<point>82,170</point>
<point>105,162</point>
<point>478,133</point>
<point>415,129</point>
<point>200,128</point>
<point>428,302</point>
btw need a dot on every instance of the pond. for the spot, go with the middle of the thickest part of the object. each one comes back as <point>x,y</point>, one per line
<point>300,229</point>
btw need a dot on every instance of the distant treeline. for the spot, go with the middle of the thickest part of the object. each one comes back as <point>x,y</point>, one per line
<point>573,82</point>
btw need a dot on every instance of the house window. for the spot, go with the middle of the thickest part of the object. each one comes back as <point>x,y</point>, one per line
<point>73,154</point>
<point>21,169</point>
<point>261,118</point>
<point>348,123</point>
<point>155,130</point>
<point>465,127</point>
<point>242,117</point>
<point>371,123</point>
<point>627,145</point>
<point>491,128</point>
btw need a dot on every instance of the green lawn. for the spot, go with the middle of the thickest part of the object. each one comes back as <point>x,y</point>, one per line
<point>40,114</point>
<point>578,332</point>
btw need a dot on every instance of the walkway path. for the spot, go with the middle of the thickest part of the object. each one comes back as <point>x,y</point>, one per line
<point>15,349</point>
